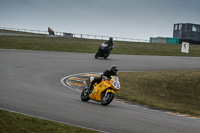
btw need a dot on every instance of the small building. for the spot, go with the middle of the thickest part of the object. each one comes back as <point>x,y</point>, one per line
<point>164,40</point>
<point>187,32</point>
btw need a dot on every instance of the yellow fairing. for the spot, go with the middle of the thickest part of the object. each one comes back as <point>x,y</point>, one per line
<point>98,89</point>
<point>101,87</point>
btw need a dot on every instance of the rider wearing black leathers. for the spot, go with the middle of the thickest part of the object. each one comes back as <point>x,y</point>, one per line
<point>110,43</point>
<point>107,73</point>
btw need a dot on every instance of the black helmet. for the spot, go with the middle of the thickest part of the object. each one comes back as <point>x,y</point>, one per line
<point>110,39</point>
<point>113,70</point>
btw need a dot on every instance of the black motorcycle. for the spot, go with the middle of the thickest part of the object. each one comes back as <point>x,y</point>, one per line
<point>103,51</point>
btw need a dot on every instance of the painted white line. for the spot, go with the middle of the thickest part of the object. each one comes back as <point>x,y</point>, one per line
<point>63,79</point>
<point>53,120</point>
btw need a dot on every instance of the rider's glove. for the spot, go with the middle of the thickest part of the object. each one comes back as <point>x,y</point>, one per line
<point>104,77</point>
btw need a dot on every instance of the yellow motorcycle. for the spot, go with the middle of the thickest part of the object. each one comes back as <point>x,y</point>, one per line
<point>103,92</point>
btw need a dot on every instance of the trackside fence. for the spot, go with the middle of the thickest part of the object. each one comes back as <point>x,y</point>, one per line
<point>78,35</point>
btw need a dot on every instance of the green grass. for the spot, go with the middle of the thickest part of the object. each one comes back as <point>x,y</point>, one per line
<point>48,43</point>
<point>65,44</point>
<point>17,123</point>
<point>177,91</point>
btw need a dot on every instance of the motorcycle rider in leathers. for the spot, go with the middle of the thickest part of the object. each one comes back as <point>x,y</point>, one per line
<point>106,74</point>
<point>110,43</point>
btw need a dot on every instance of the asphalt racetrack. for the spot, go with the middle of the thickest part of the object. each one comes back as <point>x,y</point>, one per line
<point>30,83</point>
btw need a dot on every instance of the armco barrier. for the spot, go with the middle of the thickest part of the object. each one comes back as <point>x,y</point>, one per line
<point>78,35</point>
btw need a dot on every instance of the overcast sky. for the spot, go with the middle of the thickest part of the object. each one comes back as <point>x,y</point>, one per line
<point>139,19</point>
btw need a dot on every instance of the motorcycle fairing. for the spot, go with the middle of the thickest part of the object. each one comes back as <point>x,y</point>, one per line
<point>98,89</point>
<point>110,86</point>
<point>115,82</point>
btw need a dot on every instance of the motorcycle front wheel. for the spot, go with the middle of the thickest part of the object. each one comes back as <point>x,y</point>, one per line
<point>85,95</point>
<point>107,98</point>
<point>97,55</point>
<point>105,56</point>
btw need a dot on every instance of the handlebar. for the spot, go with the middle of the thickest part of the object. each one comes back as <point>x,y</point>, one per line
<point>106,78</point>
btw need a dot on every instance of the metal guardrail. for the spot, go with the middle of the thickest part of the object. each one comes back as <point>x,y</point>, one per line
<point>78,35</point>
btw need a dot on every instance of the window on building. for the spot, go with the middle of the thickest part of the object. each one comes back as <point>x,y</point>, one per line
<point>198,28</point>
<point>176,27</point>
<point>186,27</point>
<point>194,28</point>
<point>180,26</point>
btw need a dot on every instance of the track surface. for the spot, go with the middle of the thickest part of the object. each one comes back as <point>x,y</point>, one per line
<point>30,84</point>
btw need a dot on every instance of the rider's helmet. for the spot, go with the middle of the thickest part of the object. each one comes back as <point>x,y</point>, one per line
<point>113,69</point>
<point>111,39</point>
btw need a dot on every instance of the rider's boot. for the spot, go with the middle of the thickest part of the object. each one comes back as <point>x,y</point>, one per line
<point>90,88</point>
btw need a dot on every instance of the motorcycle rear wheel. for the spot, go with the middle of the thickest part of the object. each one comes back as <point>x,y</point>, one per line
<point>85,95</point>
<point>107,98</point>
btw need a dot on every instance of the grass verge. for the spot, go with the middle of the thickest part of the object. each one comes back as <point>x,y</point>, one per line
<point>17,123</point>
<point>177,91</point>
<point>65,44</point>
